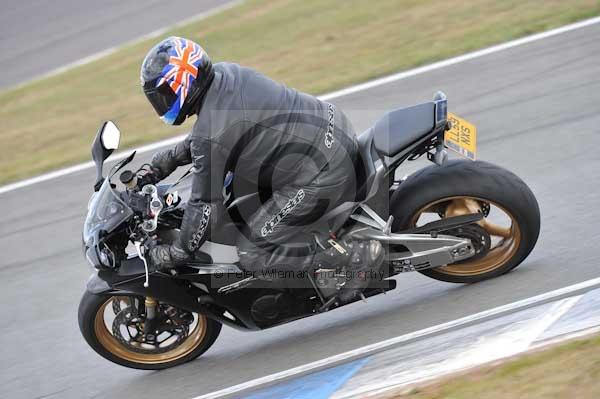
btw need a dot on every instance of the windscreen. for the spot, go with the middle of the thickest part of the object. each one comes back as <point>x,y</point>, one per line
<point>106,211</point>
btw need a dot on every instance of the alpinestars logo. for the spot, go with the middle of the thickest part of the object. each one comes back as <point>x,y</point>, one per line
<point>292,203</point>
<point>197,236</point>
<point>330,126</point>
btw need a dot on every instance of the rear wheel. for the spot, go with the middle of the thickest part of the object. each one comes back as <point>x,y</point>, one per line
<point>114,327</point>
<point>503,238</point>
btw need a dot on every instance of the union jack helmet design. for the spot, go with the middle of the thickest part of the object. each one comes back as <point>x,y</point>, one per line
<point>175,75</point>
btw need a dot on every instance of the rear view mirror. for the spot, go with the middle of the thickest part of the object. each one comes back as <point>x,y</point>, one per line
<point>106,141</point>
<point>110,136</point>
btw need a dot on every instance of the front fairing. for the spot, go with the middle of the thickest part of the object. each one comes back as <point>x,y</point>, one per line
<point>106,212</point>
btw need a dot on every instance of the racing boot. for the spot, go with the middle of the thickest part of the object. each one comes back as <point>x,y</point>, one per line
<point>331,254</point>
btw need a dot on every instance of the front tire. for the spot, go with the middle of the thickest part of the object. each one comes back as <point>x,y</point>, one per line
<point>95,312</point>
<point>462,187</point>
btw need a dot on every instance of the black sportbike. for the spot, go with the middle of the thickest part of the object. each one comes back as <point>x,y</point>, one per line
<point>460,221</point>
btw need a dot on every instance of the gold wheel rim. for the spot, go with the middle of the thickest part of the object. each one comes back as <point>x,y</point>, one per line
<point>498,254</point>
<point>108,341</point>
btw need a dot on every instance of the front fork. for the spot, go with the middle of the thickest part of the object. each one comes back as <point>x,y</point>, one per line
<point>151,321</point>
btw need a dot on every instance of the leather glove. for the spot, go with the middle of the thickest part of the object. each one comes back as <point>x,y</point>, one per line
<point>165,257</point>
<point>152,176</point>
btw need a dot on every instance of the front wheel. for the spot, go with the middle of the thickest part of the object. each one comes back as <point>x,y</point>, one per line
<point>503,238</point>
<point>114,327</point>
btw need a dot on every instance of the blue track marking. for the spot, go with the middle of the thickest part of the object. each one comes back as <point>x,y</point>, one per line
<point>319,385</point>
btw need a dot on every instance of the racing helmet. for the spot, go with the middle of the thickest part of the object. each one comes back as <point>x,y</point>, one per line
<point>175,75</point>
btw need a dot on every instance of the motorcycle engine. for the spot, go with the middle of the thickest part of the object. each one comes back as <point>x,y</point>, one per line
<point>268,308</point>
<point>329,281</point>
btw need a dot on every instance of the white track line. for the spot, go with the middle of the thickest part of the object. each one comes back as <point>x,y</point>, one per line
<point>111,50</point>
<point>567,337</point>
<point>403,339</point>
<point>336,94</point>
<point>461,58</point>
<point>510,343</point>
<point>89,165</point>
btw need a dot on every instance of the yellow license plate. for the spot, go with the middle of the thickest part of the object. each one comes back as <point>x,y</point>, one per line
<point>462,138</point>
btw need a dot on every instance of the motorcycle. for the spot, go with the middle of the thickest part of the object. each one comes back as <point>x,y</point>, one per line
<point>460,221</point>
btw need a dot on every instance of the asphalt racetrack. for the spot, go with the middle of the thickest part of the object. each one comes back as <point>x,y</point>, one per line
<point>536,108</point>
<point>37,37</point>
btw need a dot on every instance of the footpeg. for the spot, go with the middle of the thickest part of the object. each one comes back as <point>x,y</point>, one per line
<point>333,301</point>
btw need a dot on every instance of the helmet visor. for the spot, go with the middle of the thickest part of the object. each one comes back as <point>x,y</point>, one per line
<point>162,97</point>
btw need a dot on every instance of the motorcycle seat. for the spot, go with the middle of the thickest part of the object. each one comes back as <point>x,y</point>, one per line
<point>401,127</point>
<point>366,165</point>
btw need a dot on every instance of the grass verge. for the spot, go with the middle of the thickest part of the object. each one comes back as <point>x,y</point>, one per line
<point>570,370</point>
<point>313,45</point>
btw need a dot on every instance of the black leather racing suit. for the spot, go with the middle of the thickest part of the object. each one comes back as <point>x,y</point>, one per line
<point>298,152</point>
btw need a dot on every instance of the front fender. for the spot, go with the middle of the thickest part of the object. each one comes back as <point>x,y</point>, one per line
<point>96,285</point>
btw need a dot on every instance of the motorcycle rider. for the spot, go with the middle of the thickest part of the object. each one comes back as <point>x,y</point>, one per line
<point>299,152</point>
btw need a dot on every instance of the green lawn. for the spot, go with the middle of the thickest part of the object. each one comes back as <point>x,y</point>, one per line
<point>313,45</point>
<point>570,370</point>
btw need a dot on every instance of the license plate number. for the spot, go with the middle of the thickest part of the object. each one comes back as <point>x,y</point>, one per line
<point>462,137</point>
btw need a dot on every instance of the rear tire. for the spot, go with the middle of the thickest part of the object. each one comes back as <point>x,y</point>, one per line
<point>434,187</point>
<point>111,349</point>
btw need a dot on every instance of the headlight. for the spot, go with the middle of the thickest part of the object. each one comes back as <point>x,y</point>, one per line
<point>107,257</point>
<point>100,257</point>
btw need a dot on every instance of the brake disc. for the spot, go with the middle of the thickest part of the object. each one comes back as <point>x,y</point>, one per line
<point>117,301</point>
<point>136,341</point>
